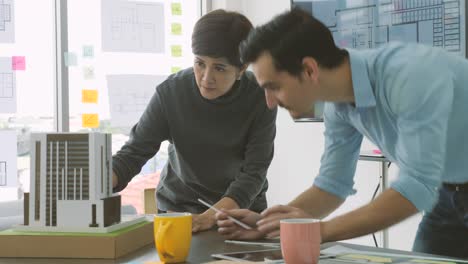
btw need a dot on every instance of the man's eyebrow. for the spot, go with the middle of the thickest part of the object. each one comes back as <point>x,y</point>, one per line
<point>268,85</point>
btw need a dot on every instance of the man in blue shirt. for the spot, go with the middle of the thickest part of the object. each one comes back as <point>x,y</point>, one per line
<point>409,100</point>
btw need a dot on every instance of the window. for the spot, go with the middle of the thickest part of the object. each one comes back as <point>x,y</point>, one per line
<point>26,87</point>
<point>118,52</point>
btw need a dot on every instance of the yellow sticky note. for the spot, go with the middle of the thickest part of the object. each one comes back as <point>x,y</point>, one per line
<point>89,96</point>
<point>431,261</point>
<point>90,120</point>
<point>368,258</point>
<point>176,9</point>
<point>176,51</point>
<point>175,69</point>
<point>176,29</point>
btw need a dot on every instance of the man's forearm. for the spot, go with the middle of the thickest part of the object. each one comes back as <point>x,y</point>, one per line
<point>317,202</point>
<point>388,209</point>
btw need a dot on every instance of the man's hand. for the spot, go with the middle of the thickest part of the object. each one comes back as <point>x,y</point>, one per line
<point>201,222</point>
<point>270,222</point>
<point>231,230</point>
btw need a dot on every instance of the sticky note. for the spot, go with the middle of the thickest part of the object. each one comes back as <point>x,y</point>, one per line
<point>176,51</point>
<point>176,9</point>
<point>88,72</point>
<point>89,96</point>
<point>69,59</point>
<point>343,43</point>
<point>176,29</point>
<point>90,120</point>
<point>175,69</point>
<point>18,63</point>
<point>88,51</point>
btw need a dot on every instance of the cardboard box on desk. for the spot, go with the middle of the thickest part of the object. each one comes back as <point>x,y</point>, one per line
<point>75,245</point>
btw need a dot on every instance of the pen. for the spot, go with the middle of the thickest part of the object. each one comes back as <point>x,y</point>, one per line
<point>219,211</point>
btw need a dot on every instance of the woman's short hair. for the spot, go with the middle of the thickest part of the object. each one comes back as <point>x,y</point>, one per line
<point>219,33</point>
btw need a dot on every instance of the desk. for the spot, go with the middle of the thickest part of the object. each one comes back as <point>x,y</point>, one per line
<point>384,162</point>
<point>203,245</point>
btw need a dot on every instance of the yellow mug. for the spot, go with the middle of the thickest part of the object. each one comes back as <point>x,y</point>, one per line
<point>172,235</point>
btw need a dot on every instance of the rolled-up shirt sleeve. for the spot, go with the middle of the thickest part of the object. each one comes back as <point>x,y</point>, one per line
<point>338,162</point>
<point>422,106</point>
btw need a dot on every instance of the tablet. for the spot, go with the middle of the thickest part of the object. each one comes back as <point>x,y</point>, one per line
<point>255,255</point>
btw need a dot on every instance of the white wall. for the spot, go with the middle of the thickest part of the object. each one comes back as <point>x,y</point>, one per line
<point>299,146</point>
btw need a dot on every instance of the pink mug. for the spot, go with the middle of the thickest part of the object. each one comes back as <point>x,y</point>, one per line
<point>300,240</point>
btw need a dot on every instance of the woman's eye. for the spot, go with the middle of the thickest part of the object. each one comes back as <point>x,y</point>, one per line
<point>220,69</point>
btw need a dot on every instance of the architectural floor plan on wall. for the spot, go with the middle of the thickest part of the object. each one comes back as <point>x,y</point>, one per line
<point>8,170</point>
<point>132,26</point>
<point>370,23</point>
<point>127,105</point>
<point>7,26</point>
<point>7,86</point>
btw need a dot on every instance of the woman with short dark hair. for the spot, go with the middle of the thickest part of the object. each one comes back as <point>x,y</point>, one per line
<point>220,130</point>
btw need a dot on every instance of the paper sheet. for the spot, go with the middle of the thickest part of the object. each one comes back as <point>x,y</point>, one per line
<point>7,86</point>
<point>371,258</point>
<point>8,166</point>
<point>341,250</point>
<point>129,95</point>
<point>430,261</point>
<point>7,21</point>
<point>132,26</point>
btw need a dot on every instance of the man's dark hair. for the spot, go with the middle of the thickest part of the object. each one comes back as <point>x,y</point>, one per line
<point>290,37</point>
<point>219,33</point>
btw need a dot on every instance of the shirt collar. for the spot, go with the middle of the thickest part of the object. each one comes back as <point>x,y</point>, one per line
<point>363,94</point>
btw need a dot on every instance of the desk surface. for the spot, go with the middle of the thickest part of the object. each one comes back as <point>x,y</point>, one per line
<point>203,245</point>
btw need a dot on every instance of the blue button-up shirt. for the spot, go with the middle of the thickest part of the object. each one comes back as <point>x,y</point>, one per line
<point>412,102</point>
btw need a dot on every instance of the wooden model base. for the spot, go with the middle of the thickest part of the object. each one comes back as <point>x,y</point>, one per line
<point>75,245</point>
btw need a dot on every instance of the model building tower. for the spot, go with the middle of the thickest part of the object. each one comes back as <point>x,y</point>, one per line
<point>71,182</point>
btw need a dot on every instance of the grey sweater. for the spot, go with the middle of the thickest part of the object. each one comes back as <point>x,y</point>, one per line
<point>218,148</point>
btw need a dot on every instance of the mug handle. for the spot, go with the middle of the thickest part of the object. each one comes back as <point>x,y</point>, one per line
<point>163,227</point>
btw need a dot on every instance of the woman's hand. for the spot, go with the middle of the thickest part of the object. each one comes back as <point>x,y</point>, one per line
<point>231,230</point>
<point>201,222</point>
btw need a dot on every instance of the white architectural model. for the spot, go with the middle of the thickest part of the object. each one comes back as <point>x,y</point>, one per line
<point>71,185</point>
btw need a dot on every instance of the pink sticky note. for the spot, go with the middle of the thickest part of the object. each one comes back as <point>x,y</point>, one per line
<point>18,63</point>
<point>377,151</point>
